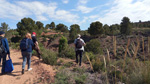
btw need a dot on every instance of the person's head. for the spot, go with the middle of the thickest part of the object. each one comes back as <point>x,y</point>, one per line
<point>2,33</point>
<point>78,35</point>
<point>33,33</point>
<point>28,35</point>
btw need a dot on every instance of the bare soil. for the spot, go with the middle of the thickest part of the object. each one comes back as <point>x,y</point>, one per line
<point>41,73</point>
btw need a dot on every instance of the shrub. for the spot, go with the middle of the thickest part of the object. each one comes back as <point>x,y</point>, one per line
<point>49,57</point>
<point>81,79</point>
<point>63,77</point>
<point>90,55</point>
<point>97,64</point>
<point>94,46</point>
<point>68,52</point>
<point>63,43</point>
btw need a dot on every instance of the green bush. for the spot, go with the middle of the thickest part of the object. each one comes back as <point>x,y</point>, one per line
<point>90,55</point>
<point>94,46</point>
<point>81,79</point>
<point>66,76</point>
<point>63,77</point>
<point>63,43</point>
<point>49,57</point>
<point>97,64</point>
<point>68,53</point>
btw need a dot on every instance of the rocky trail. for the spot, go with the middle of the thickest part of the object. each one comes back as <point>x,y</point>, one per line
<point>41,73</point>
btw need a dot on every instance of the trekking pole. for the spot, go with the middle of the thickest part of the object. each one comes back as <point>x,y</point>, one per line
<point>90,62</point>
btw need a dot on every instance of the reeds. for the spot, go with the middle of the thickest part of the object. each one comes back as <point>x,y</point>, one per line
<point>105,67</point>
<point>149,47</point>
<point>136,50</point>
<point>143,48</point>
<point>114,45</point>
<point>90,62</point>
<point>125,57</point>
<point>108,56</point>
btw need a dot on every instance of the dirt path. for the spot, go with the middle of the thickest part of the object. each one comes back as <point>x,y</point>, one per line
<point>40,74</point>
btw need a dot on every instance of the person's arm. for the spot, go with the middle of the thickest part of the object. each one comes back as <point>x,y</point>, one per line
<point>37,44</point>
<point>75,43</point>
<point>7,46</point>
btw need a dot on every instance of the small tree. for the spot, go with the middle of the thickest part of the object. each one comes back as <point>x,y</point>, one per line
<point>74,30</point>
<point>52,25</point>
<point>47,26</point>
<point>126,26</point>
<point>4,27</point>
<point>26,25</point>
<point>96,28</point>
<point>106,29</point>
<point>63,44</point>
<point>40,25</point>
<point>62,28</point>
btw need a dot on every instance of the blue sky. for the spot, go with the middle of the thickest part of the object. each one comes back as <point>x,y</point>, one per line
<point>68,12</point>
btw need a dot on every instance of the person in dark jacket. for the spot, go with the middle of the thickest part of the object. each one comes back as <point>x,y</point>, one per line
<point>27,53</point>
<point>6,50</point>
<point>36,45</point>
<point>79,51</point>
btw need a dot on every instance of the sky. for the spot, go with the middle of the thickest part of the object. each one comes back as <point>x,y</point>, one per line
<point>68,12</point>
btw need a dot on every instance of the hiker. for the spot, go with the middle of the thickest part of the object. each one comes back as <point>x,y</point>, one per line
<point>4,50</point>
<point>36,45</point>
<point>26,50</point>
<point>79,48</point>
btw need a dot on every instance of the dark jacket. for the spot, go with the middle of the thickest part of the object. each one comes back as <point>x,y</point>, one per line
<point>5,44</point>
<point>30,43</point>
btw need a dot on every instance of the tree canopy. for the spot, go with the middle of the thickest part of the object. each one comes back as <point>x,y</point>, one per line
<point>126,26</point>
<point>40,25</point>
<point>26,25</point>
<point>96,28</point>
<point>4,27</point>
<point>62,28</point>
<point>74,30</point>
<point>52,25</point>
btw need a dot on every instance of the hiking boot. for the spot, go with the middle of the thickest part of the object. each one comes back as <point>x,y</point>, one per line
<point>29,69</point>
<point>22,71</point>
<point>79,64</point>
<point>39,57</point>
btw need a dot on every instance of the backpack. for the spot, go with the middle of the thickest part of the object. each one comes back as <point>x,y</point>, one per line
<point>2,49</point>
<point>24,44</point>
<point>79,43</point>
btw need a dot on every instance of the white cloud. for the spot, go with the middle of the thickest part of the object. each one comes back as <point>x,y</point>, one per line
<point>81,6</point>
<point>65,16</point>
<point>8,10</point>
<point>85,9</point>
<point>36,10</point>
<point>82,2</point>
<point>65,1</point>
<point>135,10</point>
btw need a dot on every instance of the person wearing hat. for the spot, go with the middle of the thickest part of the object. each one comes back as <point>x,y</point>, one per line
<point>36,45</point>
<point>79,48</point>
<point>5,52</point>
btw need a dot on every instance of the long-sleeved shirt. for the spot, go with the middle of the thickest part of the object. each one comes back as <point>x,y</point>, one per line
<point>5,44</point>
